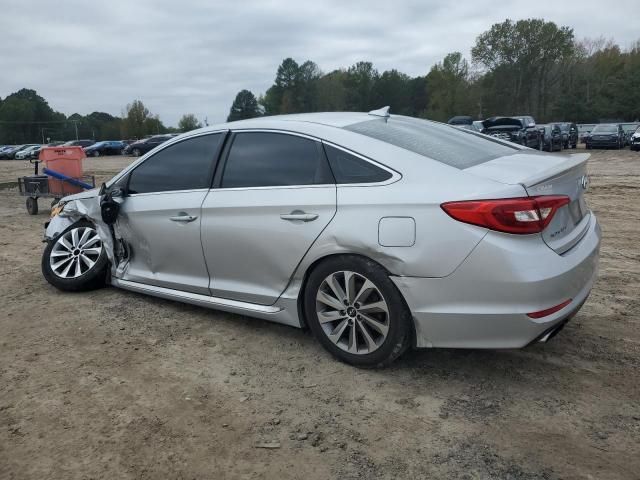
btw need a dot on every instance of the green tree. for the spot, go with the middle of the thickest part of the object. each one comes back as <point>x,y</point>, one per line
<point>136,121</point>
<point>393,88</point>
<point>188,122</point>
<point>26,117</point>
<point>523,61</point>
<point>449,85</point>
<point>245,105</point>
<point>360,81</point>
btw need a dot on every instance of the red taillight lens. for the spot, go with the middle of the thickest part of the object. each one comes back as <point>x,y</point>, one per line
<point>510,215</point>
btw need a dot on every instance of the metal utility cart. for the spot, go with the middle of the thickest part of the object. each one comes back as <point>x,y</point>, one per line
<point>51,185</point>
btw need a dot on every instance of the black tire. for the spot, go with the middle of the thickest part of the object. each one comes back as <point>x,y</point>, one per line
<point>399,318</point>
<point>136,152</point>
<point>91,279</point>
<point>575,145</point>
<point>32,205</point>
<point>96,153</point>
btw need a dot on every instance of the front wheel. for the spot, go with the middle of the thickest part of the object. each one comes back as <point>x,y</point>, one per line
<point>136,152</point>
<point>75,260</point>
<point>96,153</point>
<point>356,311</point>
<point>32,205</point>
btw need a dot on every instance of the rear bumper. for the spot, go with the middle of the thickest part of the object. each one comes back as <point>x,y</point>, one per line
<point>484,303</point>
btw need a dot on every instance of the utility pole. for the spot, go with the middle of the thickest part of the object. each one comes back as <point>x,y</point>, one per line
<point>75,124</point>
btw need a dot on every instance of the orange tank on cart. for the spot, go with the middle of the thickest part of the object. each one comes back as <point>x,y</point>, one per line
<point>64,160</point>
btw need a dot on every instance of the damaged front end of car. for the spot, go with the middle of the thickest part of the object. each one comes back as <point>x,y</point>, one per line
<point>98,206</point>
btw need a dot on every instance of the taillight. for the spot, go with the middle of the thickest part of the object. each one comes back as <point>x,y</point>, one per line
<point>510,215</point>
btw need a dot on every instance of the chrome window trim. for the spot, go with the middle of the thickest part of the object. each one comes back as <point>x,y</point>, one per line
<point>395,176</point>
<point>153,152</point>
<point>133,195</point>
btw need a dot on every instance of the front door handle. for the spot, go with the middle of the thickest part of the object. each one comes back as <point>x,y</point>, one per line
<point>299,216</point>
<point>183,218</point>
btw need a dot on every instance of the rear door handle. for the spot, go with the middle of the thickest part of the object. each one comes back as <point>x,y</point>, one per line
<point>183,218</point>
<point>299,216</point>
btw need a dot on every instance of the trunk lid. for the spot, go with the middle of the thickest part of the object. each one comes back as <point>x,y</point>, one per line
<point>544,174</point>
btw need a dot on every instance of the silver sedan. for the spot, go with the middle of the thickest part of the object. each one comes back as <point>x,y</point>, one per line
<point>377,232</point>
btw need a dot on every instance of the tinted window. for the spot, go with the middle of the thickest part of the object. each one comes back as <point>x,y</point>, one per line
<point>348,168</point>
<point>183,166</point>
<point>451,146</point>
<point>259,159</point>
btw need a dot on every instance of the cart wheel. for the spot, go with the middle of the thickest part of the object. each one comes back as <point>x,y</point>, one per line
<point>32,205</point>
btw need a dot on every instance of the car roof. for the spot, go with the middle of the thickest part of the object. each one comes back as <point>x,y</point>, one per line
<point>331,119</point>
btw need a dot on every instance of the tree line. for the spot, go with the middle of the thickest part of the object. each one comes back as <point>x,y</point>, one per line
<point>26,117</point>
<point>520,67</point>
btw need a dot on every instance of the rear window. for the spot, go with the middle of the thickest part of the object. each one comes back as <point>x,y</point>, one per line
<point>446,144</point>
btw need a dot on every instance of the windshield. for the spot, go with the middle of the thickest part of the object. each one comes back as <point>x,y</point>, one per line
<point>629,127</point>
<point>452,146</point>
<point>605,129</point>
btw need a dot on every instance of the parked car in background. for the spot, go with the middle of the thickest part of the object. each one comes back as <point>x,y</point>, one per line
<point>10,153</point>
<point>25,153</point>
<point>551,137</point>
<point>629,129</point>
<point>143,146</point>
<point>477,125</point>
<point>634,140</point>
<point>584,129</point>
<point>521,130</point>
<point>36,152</point>
<point>606,135</point>
<point>461,120</point>
<point>569,134</point>
<point>79,143</point>
<point>108,147</point>
<point>5,148</point>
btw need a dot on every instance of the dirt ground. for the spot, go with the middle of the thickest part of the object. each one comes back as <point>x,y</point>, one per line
<point>111,384</point>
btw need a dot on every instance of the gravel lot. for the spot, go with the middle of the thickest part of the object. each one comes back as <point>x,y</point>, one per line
<point>111,384</point>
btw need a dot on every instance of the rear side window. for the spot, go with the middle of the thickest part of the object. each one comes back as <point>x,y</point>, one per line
<point>447,144</point>
<point>186,165</point>
<point>260,159</point>
<point>348,168</point>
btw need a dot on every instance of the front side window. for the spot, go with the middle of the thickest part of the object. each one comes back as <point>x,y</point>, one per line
<point>263,159</point>
<point>348,168</point>
<point>186,165</point>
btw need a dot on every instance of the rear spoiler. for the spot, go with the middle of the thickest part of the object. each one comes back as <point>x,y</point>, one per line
<point>573,161</point>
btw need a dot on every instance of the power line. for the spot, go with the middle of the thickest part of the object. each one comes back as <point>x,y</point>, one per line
<point>35,122</point>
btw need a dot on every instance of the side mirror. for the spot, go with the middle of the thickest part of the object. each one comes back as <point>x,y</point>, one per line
<point>109,207</point>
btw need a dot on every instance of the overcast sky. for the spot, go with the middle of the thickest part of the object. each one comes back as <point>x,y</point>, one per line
<point>193,56</point>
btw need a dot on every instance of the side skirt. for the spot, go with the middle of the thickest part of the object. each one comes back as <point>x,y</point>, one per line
<point>274,313</point>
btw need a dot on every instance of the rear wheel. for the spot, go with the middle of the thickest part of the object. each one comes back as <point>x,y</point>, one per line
<point>75,260</point>
<point>356,312</point>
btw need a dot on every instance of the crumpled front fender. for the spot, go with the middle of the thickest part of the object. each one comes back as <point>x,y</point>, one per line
<point>82,206</point>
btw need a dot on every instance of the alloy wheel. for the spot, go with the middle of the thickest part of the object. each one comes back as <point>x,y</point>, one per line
<point>352,312</point>
<point>75,252</point>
